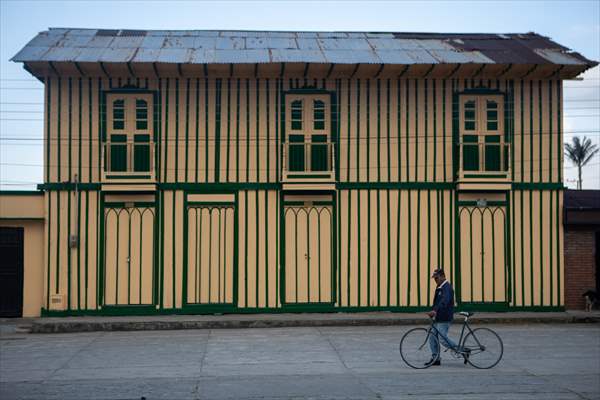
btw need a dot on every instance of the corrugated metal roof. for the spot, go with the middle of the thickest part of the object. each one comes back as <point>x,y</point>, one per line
<point>206,47</point>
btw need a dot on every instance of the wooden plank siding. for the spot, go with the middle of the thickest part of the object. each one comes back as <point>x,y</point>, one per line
<point>395,200</point>
<point>388,130</point>
<point>389,241</point>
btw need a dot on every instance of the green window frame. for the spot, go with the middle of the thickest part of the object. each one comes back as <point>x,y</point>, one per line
<point>308,133</point>
<point>483,148</point>
<point>129,132</point>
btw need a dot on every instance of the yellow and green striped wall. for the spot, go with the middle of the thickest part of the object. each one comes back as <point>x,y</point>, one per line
<point>229,130</point>
<point>214,233</point>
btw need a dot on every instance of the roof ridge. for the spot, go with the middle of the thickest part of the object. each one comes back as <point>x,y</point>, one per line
<point>530,33</point>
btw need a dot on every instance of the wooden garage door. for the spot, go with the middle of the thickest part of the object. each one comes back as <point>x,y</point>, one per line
<point>483,261</point>
<point>308,272</point>
<point>129,255</point>
<point>210,254</point>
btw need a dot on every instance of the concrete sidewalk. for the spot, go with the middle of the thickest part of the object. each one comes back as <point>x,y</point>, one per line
<point>229,321</point>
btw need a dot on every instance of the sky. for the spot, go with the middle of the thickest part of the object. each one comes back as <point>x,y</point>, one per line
<point>574,24</point>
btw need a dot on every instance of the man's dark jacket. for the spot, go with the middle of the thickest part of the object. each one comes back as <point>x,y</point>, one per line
<point>443,303</point>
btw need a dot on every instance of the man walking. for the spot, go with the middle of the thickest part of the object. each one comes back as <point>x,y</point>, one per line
<point>443,312</point>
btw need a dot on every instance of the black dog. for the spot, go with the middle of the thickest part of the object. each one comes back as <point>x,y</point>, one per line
<point>591,300</point>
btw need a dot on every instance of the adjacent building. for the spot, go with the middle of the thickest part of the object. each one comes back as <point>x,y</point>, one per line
<point>582,246</point>
<point>237,171</point>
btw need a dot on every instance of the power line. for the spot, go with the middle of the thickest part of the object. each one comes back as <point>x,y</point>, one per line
<point>380,167</point>
<point>36,81</point>
<point>273,138</point>
<point>262,90</point>
<point>564,108</point>
<point>385,114</point>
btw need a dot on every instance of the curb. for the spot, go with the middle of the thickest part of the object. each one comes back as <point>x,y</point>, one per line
<point>157,324</point>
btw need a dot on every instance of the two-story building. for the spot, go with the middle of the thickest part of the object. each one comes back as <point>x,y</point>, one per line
<point>237,171</point>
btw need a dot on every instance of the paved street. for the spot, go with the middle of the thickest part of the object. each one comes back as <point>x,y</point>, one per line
<point>540,362</point>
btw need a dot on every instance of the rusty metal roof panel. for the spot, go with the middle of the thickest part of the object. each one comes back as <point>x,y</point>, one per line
<point>460,57</point>
<point>558,57</point>
<point>435,44</point>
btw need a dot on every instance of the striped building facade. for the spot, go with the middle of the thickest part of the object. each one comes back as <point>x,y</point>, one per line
<point>268,188</point>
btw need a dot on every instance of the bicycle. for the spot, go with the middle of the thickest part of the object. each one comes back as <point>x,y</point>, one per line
<point>480,347</point>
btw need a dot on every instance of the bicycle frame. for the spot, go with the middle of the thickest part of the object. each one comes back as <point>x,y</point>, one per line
<point>460,345</point>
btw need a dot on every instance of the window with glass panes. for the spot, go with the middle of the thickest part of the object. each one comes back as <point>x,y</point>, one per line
<point>308,132</point>
<point>129,132</point>
<point>482,133</point>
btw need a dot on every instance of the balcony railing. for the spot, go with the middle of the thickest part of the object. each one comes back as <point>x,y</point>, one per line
<point>308,161</point>
<point>481,160</point>
<point>128,161</point>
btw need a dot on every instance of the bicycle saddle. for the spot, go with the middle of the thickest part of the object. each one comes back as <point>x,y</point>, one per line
<point>466,313</point>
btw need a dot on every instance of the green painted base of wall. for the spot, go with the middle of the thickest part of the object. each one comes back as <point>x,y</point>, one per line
<point>207,310</point>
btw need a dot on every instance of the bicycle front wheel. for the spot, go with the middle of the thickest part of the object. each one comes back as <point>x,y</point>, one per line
<point>414,348</point>
<point>485,347</point>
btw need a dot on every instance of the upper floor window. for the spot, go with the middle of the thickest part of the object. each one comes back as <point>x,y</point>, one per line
<point>482,144</point>
<point>308,149</point>
<point>129,143</point>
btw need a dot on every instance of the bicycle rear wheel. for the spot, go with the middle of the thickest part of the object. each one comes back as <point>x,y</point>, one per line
<point>414,348</point>
<point>485,347</point>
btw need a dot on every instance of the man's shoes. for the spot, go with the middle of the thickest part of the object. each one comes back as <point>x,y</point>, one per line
<point>432,362</point>
<point>466,354</point>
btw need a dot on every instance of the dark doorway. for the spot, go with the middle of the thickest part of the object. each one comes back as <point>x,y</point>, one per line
<point>11,272</point>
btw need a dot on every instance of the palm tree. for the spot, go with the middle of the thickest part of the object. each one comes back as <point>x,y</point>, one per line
<point>580,153</point>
